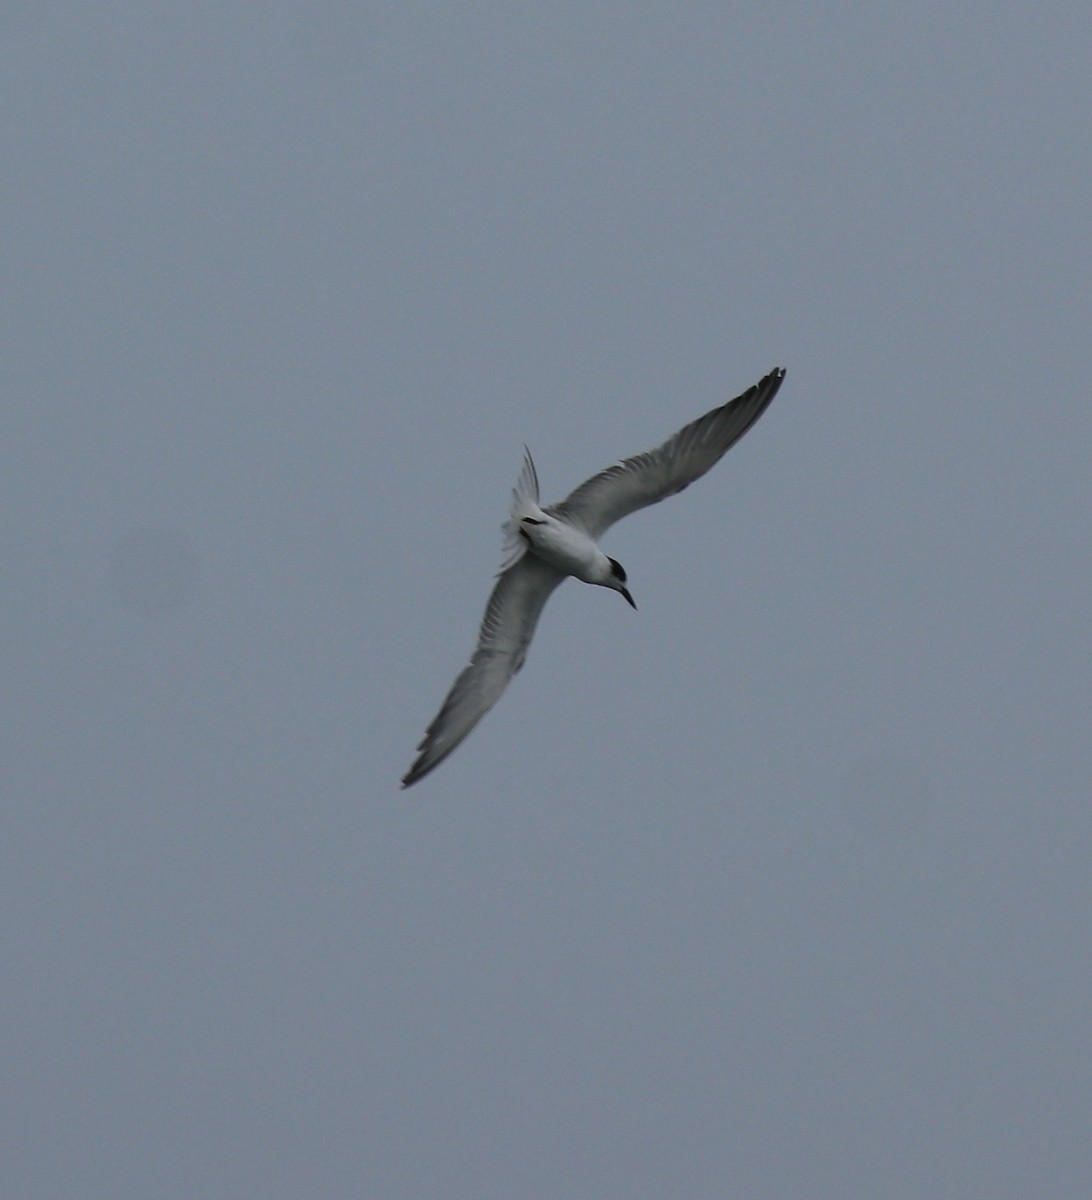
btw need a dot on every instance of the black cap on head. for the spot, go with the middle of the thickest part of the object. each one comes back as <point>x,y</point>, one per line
<point>616,570</point>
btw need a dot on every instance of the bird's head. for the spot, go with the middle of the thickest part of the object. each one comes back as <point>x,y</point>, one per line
<point>617,580</point>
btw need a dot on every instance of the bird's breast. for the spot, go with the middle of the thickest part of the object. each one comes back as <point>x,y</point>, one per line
<point>563,547</point>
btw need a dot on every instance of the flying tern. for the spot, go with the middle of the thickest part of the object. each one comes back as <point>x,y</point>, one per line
<point>544,545</point>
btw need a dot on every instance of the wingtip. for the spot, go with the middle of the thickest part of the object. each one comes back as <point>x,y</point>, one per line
<point>418,771</point>
<point>771,383</point>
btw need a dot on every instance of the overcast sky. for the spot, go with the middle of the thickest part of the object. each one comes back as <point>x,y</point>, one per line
<point>778,887</point>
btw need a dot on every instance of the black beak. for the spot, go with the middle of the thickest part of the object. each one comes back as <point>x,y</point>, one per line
<point>628,597</point>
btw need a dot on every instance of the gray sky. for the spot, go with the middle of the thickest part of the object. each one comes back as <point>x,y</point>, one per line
<point>777,887</point>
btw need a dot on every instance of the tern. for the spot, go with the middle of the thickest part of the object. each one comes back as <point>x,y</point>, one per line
<point>544,545</point>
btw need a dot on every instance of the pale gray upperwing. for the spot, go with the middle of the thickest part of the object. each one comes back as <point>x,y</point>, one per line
<point>507,628</point>
<point>647,478</point>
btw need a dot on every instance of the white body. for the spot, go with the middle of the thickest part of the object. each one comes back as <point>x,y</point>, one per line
<point>567,548</point>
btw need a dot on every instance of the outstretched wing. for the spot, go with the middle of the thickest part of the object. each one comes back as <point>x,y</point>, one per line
<point>507,628</point>
<point>646,478</point>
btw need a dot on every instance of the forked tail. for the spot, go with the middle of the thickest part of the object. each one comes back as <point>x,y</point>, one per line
<point>524,504</point>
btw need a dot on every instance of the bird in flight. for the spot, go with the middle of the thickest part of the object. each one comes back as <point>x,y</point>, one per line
<point>544,545</point>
